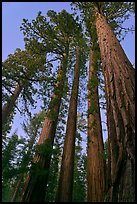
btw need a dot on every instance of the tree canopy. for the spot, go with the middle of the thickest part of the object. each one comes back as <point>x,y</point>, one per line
<point>38,83</point>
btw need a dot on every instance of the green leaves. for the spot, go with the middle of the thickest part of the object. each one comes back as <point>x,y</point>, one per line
<point>92,109</point>
<point>25,20</point>
<point>10,158</point>
<point>79,185</point>
<point>104,154</point>
<point>26,67</point>
<point>116,14</point>
<point>44,149</point>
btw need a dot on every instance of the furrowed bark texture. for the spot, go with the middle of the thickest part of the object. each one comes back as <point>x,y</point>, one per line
<point>36,182</point>
<point>65,188</point>
<point>120,91</point>
<point>95,161</point>
<point>8,107</point>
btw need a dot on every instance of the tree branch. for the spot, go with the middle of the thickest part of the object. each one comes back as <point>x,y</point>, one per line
<point>103,122</point>
<point>126,29</point>
<point>7,88</point>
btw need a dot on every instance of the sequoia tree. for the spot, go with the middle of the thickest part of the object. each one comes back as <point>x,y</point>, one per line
<point>65,188</point>
<point>36,182</point>
<point>120,89</point>
<point>119,76</point>
<point>19,71</point>
<point>62,34</point>
<point>80,169</point>
<point>95,162</point>
<point>32,130</point>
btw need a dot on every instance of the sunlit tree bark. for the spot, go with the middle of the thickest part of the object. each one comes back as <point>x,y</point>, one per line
<point>64,193</point>
<point>95,161</point>
<point>120,92</point>
<point>35,185</point>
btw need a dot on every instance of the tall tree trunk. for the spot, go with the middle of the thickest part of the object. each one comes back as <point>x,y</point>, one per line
<point>16,190</point>
<point>8,107</point>
<point>95,161</point>
<point>119,78</point>
<point>65,188</point>
<point>24,164</point>
<point>36,182</point>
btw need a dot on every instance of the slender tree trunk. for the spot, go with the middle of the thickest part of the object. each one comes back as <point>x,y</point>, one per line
<point>95,161</point>
<point>65,188</point>
<point>119,78</point>
<point>8,107</point>
<point>18,184</point>
<point>24,164</point>
<point>36,182</point>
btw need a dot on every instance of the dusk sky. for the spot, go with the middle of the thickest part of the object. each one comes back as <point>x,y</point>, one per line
<point>14,12</point>
<point>12,15</point>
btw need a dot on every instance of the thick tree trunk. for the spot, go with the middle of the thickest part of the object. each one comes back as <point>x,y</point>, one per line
<point>120,91</point>
<point>36,182</point>
<point>65,188</point>
<point>95,161</point>
<point>8,107</point>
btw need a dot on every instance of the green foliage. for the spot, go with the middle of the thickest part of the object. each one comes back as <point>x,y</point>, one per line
<point>53,174</point>
<point>116,14</point>
<point>53,30</point>
<point>80,183</point>
<point>44,149</point>
<point>81,123</point>
<point>8,157</point>
<point>92,86</point>
<point>56,157</point>
<point>93,83</point>
<point>6,128</point>
<point>46,40</point>
<point>6,192</point>
<point>23,67</point>
<point>93,108</point>
<point>11,156</point>
<point>104,154</point>
<point>17,156</point>
<point>64,23</point>
<point>38,170</point>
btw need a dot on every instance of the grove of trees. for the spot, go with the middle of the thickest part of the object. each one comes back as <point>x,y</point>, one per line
<point>67,61</point>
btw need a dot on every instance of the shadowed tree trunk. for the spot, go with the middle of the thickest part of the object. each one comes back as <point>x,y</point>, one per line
<point>65,188</point>
<point>35,185</point>
<point>27,157</point>
<point>16,190</point>
<point>8,107</point>
<point>95,161</point>
<point>119,78</point>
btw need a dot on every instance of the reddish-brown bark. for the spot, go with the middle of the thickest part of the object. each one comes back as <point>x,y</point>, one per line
<point>65,188</point>
<point>119,78</point>
<point>35,185</point>
<point>95,161</point>
<point>8,107</point>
